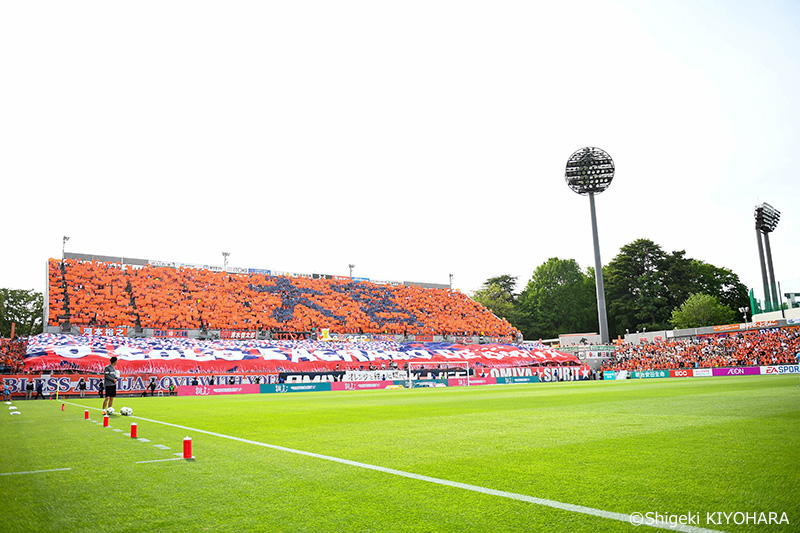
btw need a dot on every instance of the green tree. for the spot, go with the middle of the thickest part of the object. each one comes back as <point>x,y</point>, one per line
<point>559,298</point>
<point>23,308</point>
<point>637,294</point>
<point>644,284</point>
<point>709,279</point>
<point>497,295</point>
<point>701,310</point>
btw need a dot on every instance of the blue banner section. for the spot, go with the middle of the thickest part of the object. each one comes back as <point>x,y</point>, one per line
<point>608,374</point>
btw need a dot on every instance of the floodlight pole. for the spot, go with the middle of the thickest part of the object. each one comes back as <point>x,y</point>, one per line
<point>598,276</point>
<point>767,304</point>
<point>773,288</point>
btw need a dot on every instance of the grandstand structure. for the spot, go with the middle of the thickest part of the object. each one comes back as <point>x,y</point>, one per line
<point>135,297</point>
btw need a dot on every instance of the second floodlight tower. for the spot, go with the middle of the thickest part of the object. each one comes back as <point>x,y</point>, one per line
<point>767,218</point>
<point>589,172</point>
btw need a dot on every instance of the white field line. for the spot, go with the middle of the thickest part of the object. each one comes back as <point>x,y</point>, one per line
<point>34,472</point>
<point>160,460</point>
<point>464,486</point>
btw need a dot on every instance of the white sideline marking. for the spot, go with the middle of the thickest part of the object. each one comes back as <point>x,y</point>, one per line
<point>455,484</point>
<point>160,460</point>
<point>34,472</point>
<point>161,446</point>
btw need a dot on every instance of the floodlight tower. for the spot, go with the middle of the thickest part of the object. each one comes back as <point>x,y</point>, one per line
<point>225,256</point>
<point>351,266</point>
<point>589,172</point>
<point>744,311</point>
<point>767,218</point>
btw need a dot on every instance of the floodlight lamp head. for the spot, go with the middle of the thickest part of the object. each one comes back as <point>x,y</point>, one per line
<point>589,171</point>
<point>767,218</point>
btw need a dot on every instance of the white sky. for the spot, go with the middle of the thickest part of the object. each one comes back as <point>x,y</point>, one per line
<point>413,139</point>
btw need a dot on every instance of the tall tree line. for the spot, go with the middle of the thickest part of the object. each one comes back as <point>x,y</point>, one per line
<point>645,289</point>
<point>24,309</point>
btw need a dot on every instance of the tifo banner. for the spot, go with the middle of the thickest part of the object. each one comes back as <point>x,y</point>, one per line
<point>174,355</point>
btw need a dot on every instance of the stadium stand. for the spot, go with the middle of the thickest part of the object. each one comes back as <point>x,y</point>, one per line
<point>94,293</point>
<point>12,354</point>
<point>764,347</point>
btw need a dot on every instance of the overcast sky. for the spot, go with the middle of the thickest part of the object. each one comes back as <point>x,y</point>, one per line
<point>413,139</point>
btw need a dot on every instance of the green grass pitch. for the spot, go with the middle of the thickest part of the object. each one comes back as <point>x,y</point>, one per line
<point>674,446</point>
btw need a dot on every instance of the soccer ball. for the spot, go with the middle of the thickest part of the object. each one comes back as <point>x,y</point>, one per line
<point>109,411</point>
<point>126,411</point>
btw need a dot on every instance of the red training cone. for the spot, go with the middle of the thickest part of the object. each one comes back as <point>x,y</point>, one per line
<point>187,448</point>
<point>86,415</point>
<point>133,430</point>
<point>105,421</point>
<point>62,406</point>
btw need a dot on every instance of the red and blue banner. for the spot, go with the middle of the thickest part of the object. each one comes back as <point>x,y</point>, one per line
<point>52,352</point>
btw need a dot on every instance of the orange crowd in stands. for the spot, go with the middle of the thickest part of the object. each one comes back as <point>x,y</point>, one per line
<point>12,355</point>
<point>108,294</point>
<point>757,348</point>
